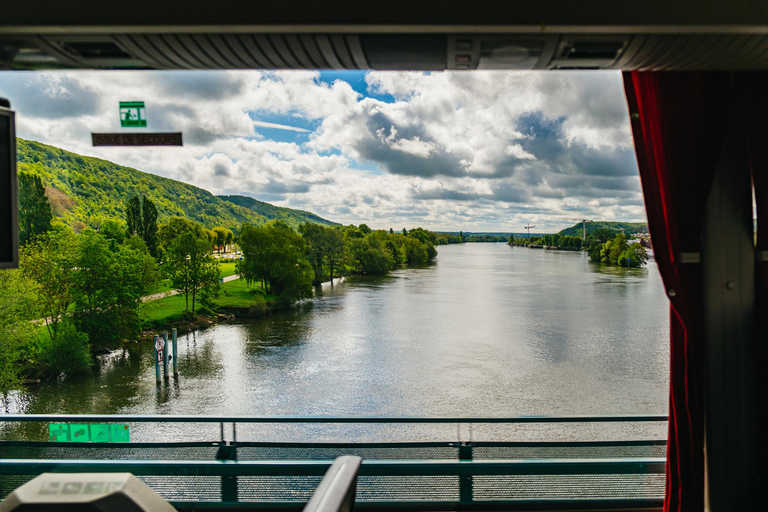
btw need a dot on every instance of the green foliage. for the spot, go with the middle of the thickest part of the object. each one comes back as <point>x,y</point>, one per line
<point>274,255</point>
<point>108,287</point>
<point>67,354</point>
<point>49,262</point>
<point>17,309</point>
<point>91,191</point>
<point>149,225</point>
<point>618,252</point>
<point>112,231</point>
<point>611,227</point>
<point>414,251</point>
<point>188,262</point>
<point>133,216</point>
<point>221,237</point>
<point>634,256</point>
<point>369,255</point>
<point>34,209</point>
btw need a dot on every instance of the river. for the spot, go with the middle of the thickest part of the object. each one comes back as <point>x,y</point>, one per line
<point>486,330</point>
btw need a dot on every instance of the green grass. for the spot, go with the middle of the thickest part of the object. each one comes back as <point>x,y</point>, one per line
<point>233,293</point>
<point>164,285</point>
<point>239,293</point>
<point>169,308</point>
<point>227,269</point>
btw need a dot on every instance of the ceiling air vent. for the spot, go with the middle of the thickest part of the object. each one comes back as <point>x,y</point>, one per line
<point>582,53</point>
<point>96,50</point>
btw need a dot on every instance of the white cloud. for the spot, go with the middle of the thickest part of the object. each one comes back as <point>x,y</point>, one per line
<point>472,151</point>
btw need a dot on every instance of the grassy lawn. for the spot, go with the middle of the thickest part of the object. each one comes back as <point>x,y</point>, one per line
<point>233,293</point>
<point>163,309</point>
<point>238,293</point>
<point>227,269</point>
<point>164,285</point>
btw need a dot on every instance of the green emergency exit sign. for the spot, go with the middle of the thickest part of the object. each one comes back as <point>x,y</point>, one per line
<point>132,114</point>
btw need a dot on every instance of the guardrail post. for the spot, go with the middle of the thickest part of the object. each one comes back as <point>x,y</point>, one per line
<point>465,481</point>
<point>228,482</point>
<point>174,334</point>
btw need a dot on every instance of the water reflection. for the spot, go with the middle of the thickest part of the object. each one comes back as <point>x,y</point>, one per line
<point>486,330</point>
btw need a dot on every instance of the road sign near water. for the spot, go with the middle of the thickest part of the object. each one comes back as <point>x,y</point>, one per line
<point>94,433</point>
<point>132,114</point>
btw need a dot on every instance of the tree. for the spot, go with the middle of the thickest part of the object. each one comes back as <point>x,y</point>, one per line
<point>415,252</point>
<point>191,268</point>
<point>618,246</point>
<point>334,250</point>
<point>133,216</point>
<point>275,256</point>
<point>149,225</point>
<point>108,288</point>
<point>221,237</point>
<point>601,235</point>
<point>17,308</point>
<point>370,256</point>
<point>634,256</point>
<point>34,209</point>
<point>49,262</point>
<point>112,231</point>
<point>316,238</point>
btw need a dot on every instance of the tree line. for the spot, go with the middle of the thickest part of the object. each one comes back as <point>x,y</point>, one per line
<point>287,263</point>
<point>77,294</point>
<point>603,246</point>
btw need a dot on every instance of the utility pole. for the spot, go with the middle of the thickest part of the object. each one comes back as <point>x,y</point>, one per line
<point>528,228</point>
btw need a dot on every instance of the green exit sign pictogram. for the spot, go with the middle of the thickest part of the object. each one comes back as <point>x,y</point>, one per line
<point>132,114</point>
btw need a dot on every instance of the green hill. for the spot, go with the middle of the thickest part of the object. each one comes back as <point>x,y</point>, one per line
<point>629,228</point>
<point>270,211</point>
<point>89,191</point>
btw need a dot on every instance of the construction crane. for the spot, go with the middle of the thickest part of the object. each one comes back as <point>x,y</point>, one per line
<point>583,226</point>
<point>528,228</point>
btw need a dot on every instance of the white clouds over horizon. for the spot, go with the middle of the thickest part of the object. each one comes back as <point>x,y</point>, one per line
<point>485,151</point>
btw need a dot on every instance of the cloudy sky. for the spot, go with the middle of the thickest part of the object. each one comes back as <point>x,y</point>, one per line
<point>480,151</point>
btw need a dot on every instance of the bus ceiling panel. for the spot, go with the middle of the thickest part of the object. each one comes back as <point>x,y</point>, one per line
<point>36,17</point>
<point>696,53</point>
<point>424,52</point>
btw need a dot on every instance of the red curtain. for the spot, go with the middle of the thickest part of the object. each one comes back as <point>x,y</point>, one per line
<point>678,124</point>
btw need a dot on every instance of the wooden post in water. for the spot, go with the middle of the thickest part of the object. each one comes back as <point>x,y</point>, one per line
<point>175,354</point>
<point>157,359</point>
<point>165,355</point>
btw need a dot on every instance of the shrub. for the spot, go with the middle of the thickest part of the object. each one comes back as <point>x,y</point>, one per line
<point>68,353</point>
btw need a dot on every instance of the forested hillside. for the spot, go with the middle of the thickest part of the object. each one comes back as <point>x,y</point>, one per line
<point>630,228</point>
<point>87,191</point>
<point>270,211</point>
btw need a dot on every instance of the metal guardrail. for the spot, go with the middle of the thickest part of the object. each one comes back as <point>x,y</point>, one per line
<point>466,478</point>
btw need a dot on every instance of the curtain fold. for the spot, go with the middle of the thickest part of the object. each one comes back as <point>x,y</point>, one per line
<point>678,124</point>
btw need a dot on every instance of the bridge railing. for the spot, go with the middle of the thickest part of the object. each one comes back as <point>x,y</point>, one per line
<point>406,475</point>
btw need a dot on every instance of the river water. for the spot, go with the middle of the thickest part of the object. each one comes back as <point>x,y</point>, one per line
<point>487,330</point>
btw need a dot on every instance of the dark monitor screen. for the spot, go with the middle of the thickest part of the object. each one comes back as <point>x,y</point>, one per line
<point>9,227</point>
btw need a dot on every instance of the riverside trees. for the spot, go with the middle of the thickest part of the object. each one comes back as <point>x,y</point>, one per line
<point>188,262</point>
<point>87,289</point>
<point>618,252</point>
<point>274,255</point>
